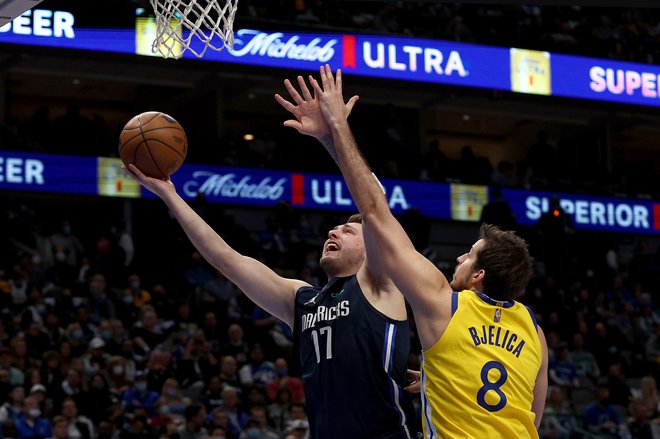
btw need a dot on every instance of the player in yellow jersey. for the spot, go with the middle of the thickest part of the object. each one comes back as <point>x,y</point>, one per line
<point>485,361</point>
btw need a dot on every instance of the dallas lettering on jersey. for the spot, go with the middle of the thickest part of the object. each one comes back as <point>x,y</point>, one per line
<point>325,313</point>
<point>211,183</point>
<point>488,336</point>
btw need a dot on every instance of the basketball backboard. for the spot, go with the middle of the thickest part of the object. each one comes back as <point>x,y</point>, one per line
<point>10,9</point>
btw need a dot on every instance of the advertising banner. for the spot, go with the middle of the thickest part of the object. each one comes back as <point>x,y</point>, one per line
<point>387,57</point>
<point>103,176</point>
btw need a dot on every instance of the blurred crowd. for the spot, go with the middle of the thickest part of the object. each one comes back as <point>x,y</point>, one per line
<point>630,34</point>
<point>100,338</point>
<point>113,334</point>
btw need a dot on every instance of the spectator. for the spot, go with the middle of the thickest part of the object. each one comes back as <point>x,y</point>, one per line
<point>258,371</point>
<point>229,372</point>
<point>139,396</point>
<point>640,425</point>
<point>230,405</point>
<point>71,387</point>
<point>141,297</point>
<point>198,273</point>
<point>66,245</point>
<point>30,424</point>
<point>212,397</point>
<point>95,359</point>
<point>258,426</point>
<point>648,395</point>
<point>138,427</point>
<point>146,333</point>
<point>236,346</point>
<point>298,430</point>
<point>10,410</point>
<point>619,390</point>
<point>60,428</point>
<point>284,380</point>
<point>100,305</point>
<point>498,211</point>
<point>79,427</point>
<point>7,362</point>
<point>220,419</point>
<point>278,410</point>
<point>99,401</point>
<point>558,421</point>
<point>198,362</point>
<point>160,369</point>
<point>195,415</point>
<point>172,398</point>
<point>561,370</point>
<point>585,362</point>
<point>118,335</point>
<point>601,417</point>
<point>164,417</point>
<point>212,331</point>
<point>53,329</point>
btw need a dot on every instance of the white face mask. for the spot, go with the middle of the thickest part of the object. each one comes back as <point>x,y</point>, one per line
<point>35,413</point>
<point>118,370</point>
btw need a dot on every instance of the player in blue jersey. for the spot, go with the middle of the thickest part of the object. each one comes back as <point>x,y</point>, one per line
<point>485,360</point>
<point>352,335</point>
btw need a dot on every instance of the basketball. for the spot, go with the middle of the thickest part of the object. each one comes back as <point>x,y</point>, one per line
<point>155,143</point>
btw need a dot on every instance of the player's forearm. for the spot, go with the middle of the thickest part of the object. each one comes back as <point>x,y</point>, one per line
<point>209,244</point>
<point>364,188</point>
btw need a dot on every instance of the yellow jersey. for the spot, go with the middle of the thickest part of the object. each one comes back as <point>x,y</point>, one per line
<point>478,378</point>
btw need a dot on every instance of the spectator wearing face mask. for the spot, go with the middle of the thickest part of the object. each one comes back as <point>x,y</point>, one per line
<point>140,296</point>
<point>30,424</point>
<point>284,381</point>
<point>66,245</point>
<point>258,415</point>
<point>139,396</point>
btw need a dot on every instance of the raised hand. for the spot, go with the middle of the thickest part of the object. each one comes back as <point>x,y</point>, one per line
<point>330,96</point>
<point>155,185</point>
<point>307,111</point>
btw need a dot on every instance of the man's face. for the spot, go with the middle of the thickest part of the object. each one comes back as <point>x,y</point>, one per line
<point>462,279</point>
<point>61,430</point>
<point>69,409</point>
<point>343,251</point>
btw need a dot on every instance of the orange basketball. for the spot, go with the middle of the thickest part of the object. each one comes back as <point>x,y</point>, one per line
<point>155,143</point>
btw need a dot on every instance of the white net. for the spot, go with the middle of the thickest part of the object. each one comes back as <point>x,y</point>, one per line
<point>193,25</point>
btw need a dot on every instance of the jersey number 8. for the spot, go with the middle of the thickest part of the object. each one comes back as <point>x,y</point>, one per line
<point>493,386</point>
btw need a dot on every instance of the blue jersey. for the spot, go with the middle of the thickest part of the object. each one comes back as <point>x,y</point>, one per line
<point>353,361</point>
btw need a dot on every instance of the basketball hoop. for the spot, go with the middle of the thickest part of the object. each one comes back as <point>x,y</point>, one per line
<point>194,25</point>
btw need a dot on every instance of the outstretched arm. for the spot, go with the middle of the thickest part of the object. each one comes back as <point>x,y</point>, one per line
<point>422,284</point>
<point>262,285</point>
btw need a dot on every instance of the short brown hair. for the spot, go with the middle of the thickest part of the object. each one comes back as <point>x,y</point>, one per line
<point>505,259</point>
<point>355,218</point>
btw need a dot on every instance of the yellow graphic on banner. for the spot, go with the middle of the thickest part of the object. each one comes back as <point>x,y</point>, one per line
<point>113,182</point>
<point>145,34</point>
<point>530,72</point>
<point>467,201</point>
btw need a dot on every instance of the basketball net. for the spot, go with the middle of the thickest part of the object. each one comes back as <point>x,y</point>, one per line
<point>193,25</point>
